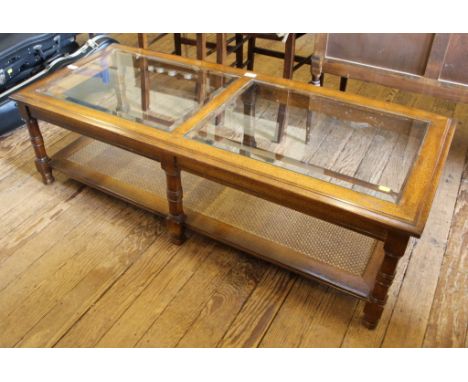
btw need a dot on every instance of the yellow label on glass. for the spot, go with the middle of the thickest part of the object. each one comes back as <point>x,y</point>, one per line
<point>385,189</point>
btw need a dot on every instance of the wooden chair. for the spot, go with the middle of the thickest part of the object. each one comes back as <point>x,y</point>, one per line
<point>291,60</point>
<point>223,46</point>
<point>429,63</point>
<point>144,42</point>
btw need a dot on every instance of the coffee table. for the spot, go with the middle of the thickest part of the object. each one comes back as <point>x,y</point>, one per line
<point>334,193</point>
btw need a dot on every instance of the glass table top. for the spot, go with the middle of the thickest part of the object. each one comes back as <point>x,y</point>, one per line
<point>360,148</point>
<point>155,92</point>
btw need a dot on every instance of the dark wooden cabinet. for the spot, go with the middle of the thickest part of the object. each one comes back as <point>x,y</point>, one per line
<point>431,63</point>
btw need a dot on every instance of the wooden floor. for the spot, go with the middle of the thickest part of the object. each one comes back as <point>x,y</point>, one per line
<point>80,268</point>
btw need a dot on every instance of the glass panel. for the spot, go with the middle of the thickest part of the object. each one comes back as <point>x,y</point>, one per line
<point>359,148</point>
<point>156,92</point>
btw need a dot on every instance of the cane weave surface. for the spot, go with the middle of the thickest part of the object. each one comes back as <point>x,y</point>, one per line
<point>323,241</point>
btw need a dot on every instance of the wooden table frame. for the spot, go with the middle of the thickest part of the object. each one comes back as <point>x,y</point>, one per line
<point>390,223</point>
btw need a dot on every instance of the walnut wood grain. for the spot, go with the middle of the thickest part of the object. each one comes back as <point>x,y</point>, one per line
<point>395,247</point>
<point>42,160</point>
<point>176,216</point>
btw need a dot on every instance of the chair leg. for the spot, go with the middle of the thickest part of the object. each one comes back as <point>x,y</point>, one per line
<point>201,46</point>
<point>143,40</point>
<point>343,83</point>
<point>221,57</point>
<point>201,55</point>
<point>281,122</point>
<point>221,48</point>
<point>145,85</point>
<point>248,139</point>
<point>239,50</point>
<point>290,50</point>
<point>308,128</point>
<point>316,71</point>
<point>178,44</point>
<point>287,73</point>
<point>251,52</point>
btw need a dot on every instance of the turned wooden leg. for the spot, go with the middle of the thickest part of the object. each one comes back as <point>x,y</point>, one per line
<point>394,247</point>
<point>42,160</point>
<point>176,217</point>
<point>343,83</point>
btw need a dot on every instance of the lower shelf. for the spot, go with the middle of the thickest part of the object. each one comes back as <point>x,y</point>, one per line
<point>339,257</point>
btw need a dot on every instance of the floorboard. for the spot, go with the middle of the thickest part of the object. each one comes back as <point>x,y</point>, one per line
<point>448,321</point>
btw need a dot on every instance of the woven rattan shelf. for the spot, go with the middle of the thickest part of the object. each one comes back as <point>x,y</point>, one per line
<point>307,243</point>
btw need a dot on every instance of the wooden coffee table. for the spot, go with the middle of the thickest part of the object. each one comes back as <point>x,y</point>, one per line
<point>327,184</point>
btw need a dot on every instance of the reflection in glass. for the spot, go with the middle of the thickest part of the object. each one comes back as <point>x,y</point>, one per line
<point>155,92</point>
<point>360,148</point>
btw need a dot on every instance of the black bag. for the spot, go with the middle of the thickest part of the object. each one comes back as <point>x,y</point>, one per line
<point>32,57</point>
<point>24,54</point>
